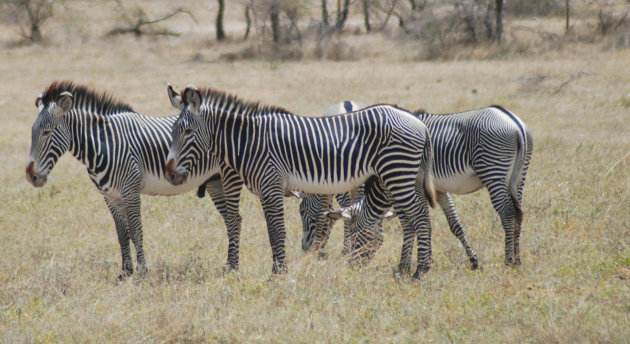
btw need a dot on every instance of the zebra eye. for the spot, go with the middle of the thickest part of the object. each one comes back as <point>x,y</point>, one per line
<point>188,132</point>
<point>46,132</point>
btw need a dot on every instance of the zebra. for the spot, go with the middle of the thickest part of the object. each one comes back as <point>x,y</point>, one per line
<point>276,153</point>
<point>124,152</point>
<point>489,147</point>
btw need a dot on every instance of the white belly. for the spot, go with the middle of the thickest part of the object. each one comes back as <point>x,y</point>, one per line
<point>155,186</point>
<point>295,183</point>
<point>459,184</point>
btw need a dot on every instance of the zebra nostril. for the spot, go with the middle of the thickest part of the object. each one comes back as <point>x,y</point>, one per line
<point>172,176</point>
<point>34,178</point>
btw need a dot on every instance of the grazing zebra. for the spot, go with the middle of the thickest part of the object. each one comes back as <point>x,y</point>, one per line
<point>124,152</point>
<point>489,147</point>
<point>276,153</point>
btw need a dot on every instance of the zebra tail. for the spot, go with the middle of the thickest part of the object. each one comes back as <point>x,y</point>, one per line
<point>429,187</point>
<point>516,173</point>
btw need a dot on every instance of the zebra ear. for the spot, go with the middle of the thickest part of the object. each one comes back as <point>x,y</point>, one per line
<point>176,100</point>
<point>64,103</point>
<point>192,98</point>
<point>38,103</point>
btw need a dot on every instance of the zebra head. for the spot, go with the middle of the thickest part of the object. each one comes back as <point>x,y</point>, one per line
<point>50,135</point>
<point>310,211</point>
<point>191,137</point>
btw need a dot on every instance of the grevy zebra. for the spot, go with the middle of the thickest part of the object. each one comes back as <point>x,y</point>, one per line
<point>124,152</point>
<point>489,147</point>
<point>276,152</point>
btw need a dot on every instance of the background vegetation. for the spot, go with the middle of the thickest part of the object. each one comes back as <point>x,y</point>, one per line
<point>60,255</point>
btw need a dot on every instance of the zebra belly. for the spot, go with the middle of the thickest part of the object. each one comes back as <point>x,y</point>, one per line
<point>156,186</point>
<point>325,187</point>
<point>460,183</point>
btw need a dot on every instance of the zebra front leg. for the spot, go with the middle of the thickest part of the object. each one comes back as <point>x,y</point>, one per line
<point>131,202</point>
<point>323,231</point>
<point>116,208</point>
<point>272,201</point>
<point>448,207</point>
<point>345,200</point>
<point>367,235</point>
<point>231,185</point>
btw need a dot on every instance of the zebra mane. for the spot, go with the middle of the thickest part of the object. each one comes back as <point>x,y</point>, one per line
<point>84,97</point>
<point>420,111</point>
<point>213,96</point>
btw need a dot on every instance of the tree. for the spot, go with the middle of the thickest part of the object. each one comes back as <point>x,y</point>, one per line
<point>219,22</point>
<point>138,24</point>
<point>498,29</point>
<point>342,14</point>
<point>30,15</point>
<point>366,15</point>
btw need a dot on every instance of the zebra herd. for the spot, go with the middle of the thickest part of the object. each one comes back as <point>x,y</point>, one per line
<point>372,158</point>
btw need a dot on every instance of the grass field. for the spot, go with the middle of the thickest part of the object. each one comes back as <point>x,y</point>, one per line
<point>60,255</point>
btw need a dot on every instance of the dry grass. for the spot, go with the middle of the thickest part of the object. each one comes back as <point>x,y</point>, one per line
<point>60,254</point>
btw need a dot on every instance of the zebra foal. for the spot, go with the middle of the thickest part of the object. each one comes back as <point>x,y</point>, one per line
<point>124,153</point>
<point>276,153</point>
<point>486,148</point>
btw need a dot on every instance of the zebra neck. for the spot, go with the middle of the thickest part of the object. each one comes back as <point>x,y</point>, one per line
<point>89,135</point>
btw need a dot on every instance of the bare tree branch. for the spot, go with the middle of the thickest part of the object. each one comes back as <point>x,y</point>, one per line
<point>141,21</point>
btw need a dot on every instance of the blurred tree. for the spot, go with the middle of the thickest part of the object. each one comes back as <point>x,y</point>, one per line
<point>139,24</point>
<point>30,15</point>
<point>219,22</point>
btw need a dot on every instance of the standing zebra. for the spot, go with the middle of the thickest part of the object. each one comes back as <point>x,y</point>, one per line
<point>276,152</point>
<point>124,152</point>
<point>489,147</point>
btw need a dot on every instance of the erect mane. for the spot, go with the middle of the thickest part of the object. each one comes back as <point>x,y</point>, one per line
<point>213,96</point>
<point>84,97</point>
<point>420,111</point>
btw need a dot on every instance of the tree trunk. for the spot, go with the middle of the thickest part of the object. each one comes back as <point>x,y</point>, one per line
<point>274,16</point>
<point>499,21</point>
<point>248,22</point>
<point>342,14</point>
<point>366,15</point>
<point>566,25</point>
<point>220,31</point>
<point>325,14</point>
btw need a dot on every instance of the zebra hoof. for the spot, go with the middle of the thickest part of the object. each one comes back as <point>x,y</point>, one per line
<point>404,268</point>
<point>279,269</point>
<point>322,255</point>
<point>420,272</point>
<point>228,269</point>
<point>141,270</point>
<point>474,264</point>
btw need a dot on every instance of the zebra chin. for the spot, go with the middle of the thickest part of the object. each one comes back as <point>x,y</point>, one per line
<point>36,179</point>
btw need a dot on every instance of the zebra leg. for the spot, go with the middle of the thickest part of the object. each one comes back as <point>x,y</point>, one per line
<point>272,201</point>
<point>232,185</point>
<point>510,214</point>
<point>131,203</point>
<point>413,211</point>
<point>367,234</point>
<point>448,207</point>
<point>323,231</point>
<point>345,201</point>
<point>120,220</point>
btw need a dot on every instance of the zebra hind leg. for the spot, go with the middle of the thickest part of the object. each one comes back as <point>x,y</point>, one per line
<point>510,214</point>
<point>448,207</point>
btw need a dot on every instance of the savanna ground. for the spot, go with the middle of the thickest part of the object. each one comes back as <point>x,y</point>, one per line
<point>60,255</point>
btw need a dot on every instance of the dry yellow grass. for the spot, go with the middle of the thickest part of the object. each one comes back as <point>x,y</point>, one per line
<point>60,254</point>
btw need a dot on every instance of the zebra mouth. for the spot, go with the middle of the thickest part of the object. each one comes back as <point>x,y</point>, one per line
<point>36,179</point>
<point>174,176</point>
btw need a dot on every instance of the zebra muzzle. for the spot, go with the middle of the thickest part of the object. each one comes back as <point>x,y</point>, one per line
<point>34,178</point>
<point>172,175</point>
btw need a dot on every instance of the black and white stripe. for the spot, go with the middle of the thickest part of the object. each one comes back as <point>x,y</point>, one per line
<point>489,147</point>
<point>124,152</point>
<point>277,153</point>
